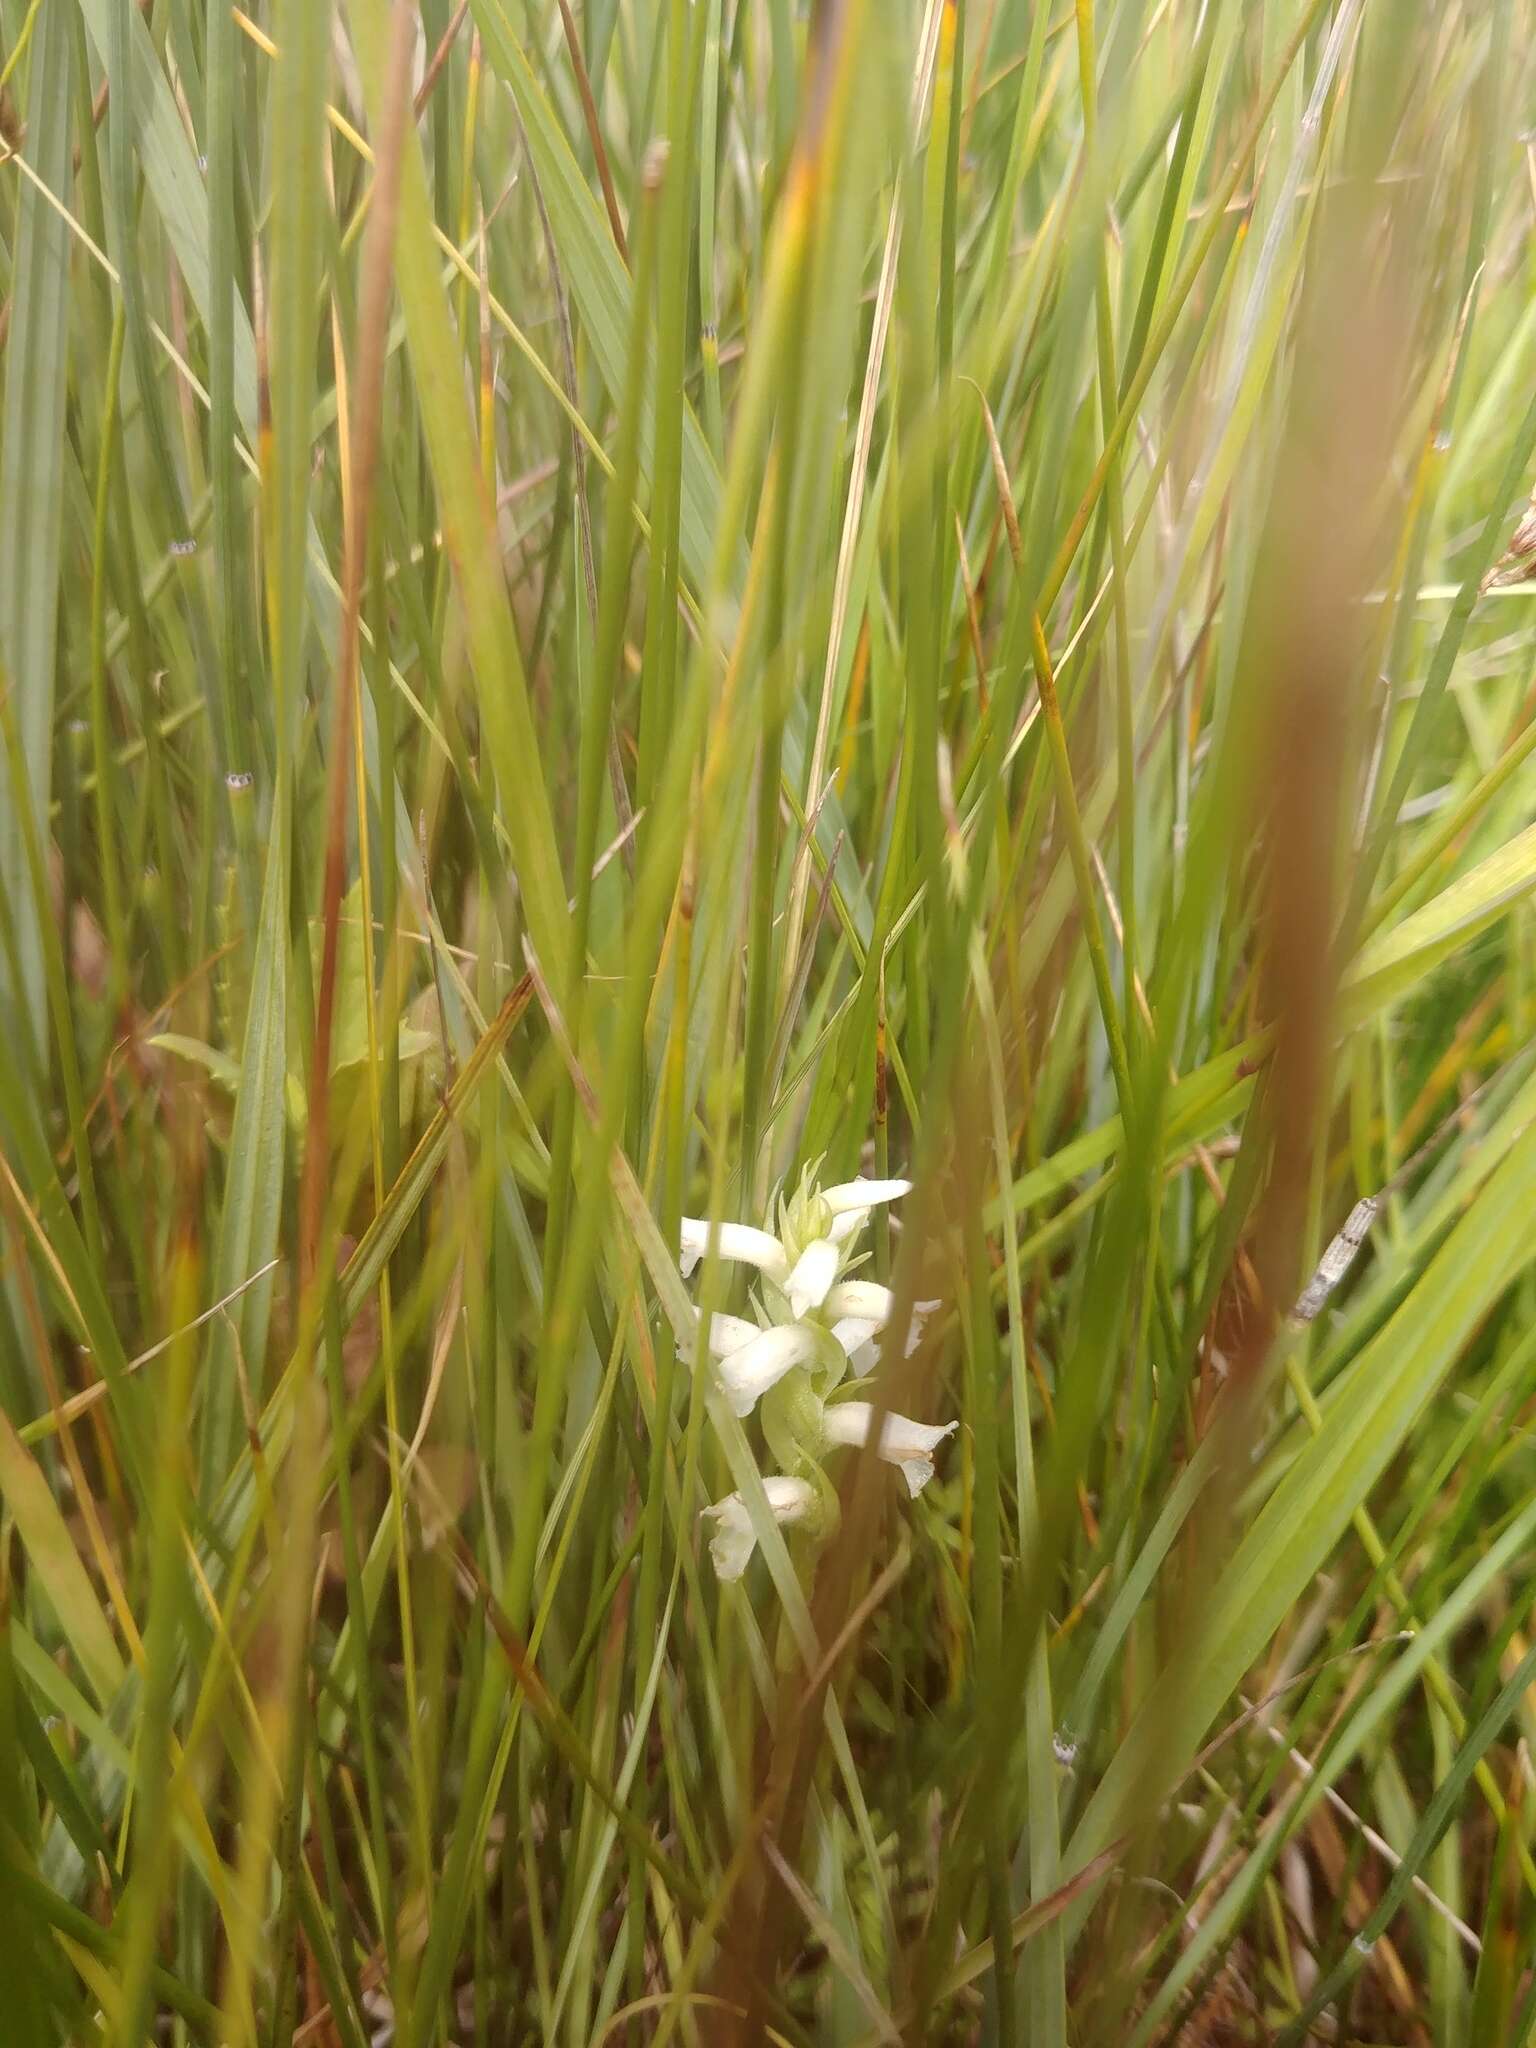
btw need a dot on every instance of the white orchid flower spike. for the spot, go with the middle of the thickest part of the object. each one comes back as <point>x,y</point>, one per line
<point>734,1540</point>
<point>903,1442</point>
<point>812,1317</point>
<point>812,1312</point>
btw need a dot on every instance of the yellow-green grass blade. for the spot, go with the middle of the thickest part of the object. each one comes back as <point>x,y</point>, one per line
<point>469,530</point>
<point>600,287</point>
<point>51,1550</point>
<point>32,469</point>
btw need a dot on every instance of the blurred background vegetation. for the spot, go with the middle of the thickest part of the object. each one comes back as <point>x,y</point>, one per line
<point>602,601</point>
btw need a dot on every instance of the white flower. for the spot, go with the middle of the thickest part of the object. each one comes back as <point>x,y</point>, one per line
<point>868,1301</point>
<point>862,1308</point>
<point>734,1539</point>
<point>811,1276</point>
<point>903,1442</point>
<point>732,1241</point>
<point>801,1260</point>
<point>863,1194</point>
<point>749,1370</point>
<point>844,1210</point>
<point>853,1335</point>
<point>851,1201</point>
<point>728,1333</point>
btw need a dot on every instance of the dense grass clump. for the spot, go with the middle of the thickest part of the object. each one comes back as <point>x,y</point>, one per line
<point>734,729</point>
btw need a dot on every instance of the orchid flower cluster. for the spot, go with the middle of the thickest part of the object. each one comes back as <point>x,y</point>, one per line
<point>813,1320</point>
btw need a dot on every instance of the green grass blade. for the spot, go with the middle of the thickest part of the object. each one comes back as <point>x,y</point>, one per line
<point>32,473</point>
